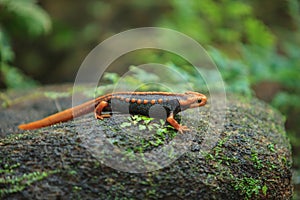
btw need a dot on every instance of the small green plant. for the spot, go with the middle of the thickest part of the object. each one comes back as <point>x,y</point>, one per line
<point>271,147</point>
<point>159,132</point>
<point>9,168</point>
<point>256,161</point>
<point>264,190</point>
<point>142,121</point>
<point>77,188</point>
<point>219,156</point>
<point>249,187</point>
<point>12,182</point>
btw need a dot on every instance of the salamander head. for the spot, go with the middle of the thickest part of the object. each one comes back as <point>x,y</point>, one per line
<point>193,100</point>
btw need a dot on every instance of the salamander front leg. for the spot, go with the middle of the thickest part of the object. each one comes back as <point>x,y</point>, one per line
<point>98,110</point>
<point>176,125</point>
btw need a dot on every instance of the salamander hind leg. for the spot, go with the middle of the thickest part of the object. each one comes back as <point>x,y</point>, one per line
<point>98,110</point>
<point>176,125</point>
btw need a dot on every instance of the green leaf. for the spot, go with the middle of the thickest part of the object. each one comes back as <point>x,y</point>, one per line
<point>126,124</point>
<point>142,127</point>
<point>6,53</point>
<point>258,34</point>
<point>112,77</point>
<point>286,101</point>
<point>14,78</point>
<point>27,16</point>
<point>264,190</point>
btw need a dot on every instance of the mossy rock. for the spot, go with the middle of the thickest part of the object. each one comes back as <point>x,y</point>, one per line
<point>251,158</point>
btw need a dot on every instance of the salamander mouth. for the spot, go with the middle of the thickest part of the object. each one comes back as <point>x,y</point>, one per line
<point>203,100</point>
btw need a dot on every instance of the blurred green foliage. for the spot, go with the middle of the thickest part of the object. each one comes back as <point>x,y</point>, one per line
<point>224,22</point>
<point>252,42</point>
<point>235,73</point>
<point>23,18</point>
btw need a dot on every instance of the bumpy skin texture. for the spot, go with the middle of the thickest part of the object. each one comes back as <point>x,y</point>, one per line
<point>128,102</point>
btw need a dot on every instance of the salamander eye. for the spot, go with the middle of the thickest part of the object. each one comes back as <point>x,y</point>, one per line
<point>199,100</point>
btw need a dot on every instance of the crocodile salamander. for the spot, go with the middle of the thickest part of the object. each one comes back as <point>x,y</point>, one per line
<point>127,102</point>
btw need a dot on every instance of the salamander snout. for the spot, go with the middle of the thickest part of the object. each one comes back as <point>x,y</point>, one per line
<point>196,99</point>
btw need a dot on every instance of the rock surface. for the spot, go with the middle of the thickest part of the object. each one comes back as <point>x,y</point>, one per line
<point>250,159</point>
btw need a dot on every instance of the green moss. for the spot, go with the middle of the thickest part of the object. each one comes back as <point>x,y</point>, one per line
<point>256,161</point>
<point>12,182</point>
<point>76,188</point>
<point>14,137</point>
<point>271,147</point>
<point>218,153</point>
<point>72,172</point>
<point>264,190</point>
<point>8,168</point>
<point>161,133</point>
<point>271,165</point>
<point>249,187</point>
